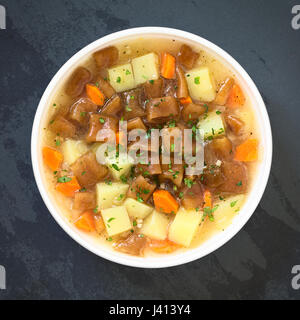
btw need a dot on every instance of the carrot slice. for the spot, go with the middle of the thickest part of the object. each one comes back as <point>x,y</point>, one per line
<point>167,69</point>
<point>86,221</point>
<point>52,158</point>
<point>119,136</point>
<point>163,246</point>
<point>165,202</point>
<point>186,100</point>
<point>247,151</point>
<point>95,94</point>
<point>207,199</point>
<point>236,97</point>
<point>69,187</point>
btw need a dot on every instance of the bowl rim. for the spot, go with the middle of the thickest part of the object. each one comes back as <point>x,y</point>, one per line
<point>191,254</point>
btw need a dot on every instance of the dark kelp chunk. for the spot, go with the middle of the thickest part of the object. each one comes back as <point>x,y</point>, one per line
<point>162,109</point>
<point>79,78</point>
<point>88,171</point>
<point>80,110</point>
<point>99,122</point>
<point>106,57</point>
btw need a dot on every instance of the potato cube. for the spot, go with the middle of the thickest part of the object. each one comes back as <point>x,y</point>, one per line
<point>212,125</point>
<point>184,226</point>
<point>116,220</point>
<point>145,68</point>
<point>137,209</point>
<point>119,166</point>
<point>227,209</point>
<point>201,84</point>
<point>112,194</point>
<point>155,226</point>
<point>121,77</point>
<point>73,149</point>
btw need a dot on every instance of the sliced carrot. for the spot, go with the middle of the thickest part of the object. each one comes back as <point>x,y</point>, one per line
<point>168,63</point>
<point>207,199</point>
<point>95,94</point>
<point>86,221</point>
<point>52,158</point>
<point>236,97</point>
<point>247,151</point>
<point>186,100</point>
<point>119,136</point>
<point>163,246</point>
<point>68,188</point>
<point>165,202</point>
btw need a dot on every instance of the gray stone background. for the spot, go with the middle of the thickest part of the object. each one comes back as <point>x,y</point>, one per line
<point>41,261</point>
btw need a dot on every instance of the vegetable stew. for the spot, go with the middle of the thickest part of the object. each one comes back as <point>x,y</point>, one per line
<point>139,207</point>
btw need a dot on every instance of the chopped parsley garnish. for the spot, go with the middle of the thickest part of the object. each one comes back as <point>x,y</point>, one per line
<point>127,72</point>
<point>123,178</point>
<point>181,195</point>
<point>101,120</point>
<point>115,166</point>
<point>151,81</point>
<point>95,210</point>
<point>119,80</point>
<point>172,124</point>
<point>218,112</point>
<point>139,199</point>
<point>128,109</point>
<point>83,173</point>
<point>233,203</point>
<point>57,142</point>
<point>239,183</point>
<point>188,182</point>
<point>64,179</point>
<point>134,223</point>
<point>120,197</point>
<point>110,219</point>
<point>82,190</point>
<point>197,80</point>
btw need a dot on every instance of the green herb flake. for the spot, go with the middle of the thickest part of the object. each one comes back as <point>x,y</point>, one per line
<point>134,223</point>
<point>111,219</point>
<point>197,80</point>
<point>127,72</point>
<point>233,203</point>
<point>151,81</point>
<point>102,120</point>
<point>218,112</point>
<point>118,80</point>
<point>115,166</point>
<point>64,179</point>
<point>188,182</point>
<point>239,183</point>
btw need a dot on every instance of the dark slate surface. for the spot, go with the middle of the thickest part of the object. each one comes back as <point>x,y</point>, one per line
<point>42,262</point>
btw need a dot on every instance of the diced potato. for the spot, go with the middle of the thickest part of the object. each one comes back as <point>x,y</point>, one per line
<point>119,166</point>
<point>212,125</point>
<point>227,209</point>
<point>201,84</point>
<point>109,195</point>
<point>73,149</point>
<point>145,68</point>
<point>137,209</point>
<point>121,77</point>
<point>155,226</point>
<point>184,226</point>
<point>116,220</point>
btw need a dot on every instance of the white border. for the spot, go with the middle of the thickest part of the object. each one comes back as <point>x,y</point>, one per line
<point>216,241</point>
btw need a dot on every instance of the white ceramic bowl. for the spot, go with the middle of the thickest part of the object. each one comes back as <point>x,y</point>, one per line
<point>253,198</point>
